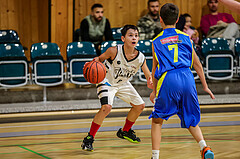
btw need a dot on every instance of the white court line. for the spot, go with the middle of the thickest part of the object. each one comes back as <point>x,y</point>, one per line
<point>111,121</point>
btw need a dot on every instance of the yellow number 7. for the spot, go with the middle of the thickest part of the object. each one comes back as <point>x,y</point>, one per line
<point>175,47</point>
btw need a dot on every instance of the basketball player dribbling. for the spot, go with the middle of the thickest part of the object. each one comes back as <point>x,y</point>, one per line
<point>122,63</point>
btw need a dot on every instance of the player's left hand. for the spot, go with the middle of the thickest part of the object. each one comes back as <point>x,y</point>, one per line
<point>209,92</point>
<point>150,82</point>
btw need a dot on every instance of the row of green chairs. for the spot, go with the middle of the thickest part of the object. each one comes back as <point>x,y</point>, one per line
<point>47,64</point>
<point>219,59</point>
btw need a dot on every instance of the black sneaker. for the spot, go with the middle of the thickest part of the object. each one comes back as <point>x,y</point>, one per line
<point>87,143</point>
<point>128,135</point>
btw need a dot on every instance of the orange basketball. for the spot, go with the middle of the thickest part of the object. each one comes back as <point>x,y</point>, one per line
<point>94,72</point>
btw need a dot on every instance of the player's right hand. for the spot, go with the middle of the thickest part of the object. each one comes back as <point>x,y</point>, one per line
<point>85,64</point>
<point>150,82</point>
<point>96,59</point>
<point>152,97</point>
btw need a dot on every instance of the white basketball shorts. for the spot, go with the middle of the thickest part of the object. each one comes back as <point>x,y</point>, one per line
<point>126,92</point>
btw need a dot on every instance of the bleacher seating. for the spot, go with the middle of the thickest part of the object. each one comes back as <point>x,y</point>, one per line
<point>106,44</point>
<point>219,58</point>
<point>77,54</point>
<point>48,64</point>
<point>13,65</point>
<point>116,32</point>
<point>9,36</point>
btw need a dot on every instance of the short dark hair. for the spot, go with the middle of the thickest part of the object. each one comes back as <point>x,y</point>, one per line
<point>96,5</point>
<point>186,15</point>
<point>169,13</point>
<point>211,0</point>
<point>152,1</point>
<point>127,27</point>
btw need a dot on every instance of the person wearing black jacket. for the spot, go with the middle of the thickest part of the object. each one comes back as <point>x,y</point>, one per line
<point>96,28</point>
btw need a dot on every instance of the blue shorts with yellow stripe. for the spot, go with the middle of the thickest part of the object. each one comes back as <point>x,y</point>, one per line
<point>176,94</point>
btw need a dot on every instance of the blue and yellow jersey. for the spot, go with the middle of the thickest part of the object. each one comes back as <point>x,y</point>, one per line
<point>173,50</point>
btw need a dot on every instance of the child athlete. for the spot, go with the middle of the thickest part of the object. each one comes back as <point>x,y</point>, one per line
<point>122,62</point>
<point>174,87</point>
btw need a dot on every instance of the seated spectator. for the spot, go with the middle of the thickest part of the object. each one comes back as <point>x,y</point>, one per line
<point>96,28</point>
<point>219,24</point>
<point>180,23</point>
<point>191,31</point>
<point>149,25</point>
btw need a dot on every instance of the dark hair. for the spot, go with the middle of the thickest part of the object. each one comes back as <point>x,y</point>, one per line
<point>169,13</point>
<point>96,5</point>
<point>211,0</point>
<point>186,15</point>
<point>127,27</point>
<point>152,1</point>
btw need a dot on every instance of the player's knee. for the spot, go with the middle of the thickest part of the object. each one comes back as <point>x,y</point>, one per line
<point>140,107</point>
<point>106,109</point>
<point>158,121</point>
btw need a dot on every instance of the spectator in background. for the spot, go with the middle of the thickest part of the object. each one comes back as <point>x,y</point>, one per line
<point>191,31</point>
<point>96,28</point>
<point>233,5</point>
<point>219,24</point>
<point>180,23</point>
<point>149,25</point>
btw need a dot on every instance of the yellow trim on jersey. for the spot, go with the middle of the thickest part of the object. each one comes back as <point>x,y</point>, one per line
<point>160,81</point>
<point>155,55</point>
<point>192,57</point>
<point>160,34</point>
<point>180,32</point>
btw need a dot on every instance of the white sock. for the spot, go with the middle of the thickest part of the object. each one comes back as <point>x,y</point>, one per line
<point>155,154</point>
<point>202,144</point>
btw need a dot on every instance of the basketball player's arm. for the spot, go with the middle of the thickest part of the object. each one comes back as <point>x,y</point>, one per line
<point>110,53</point>
<point>198,68</point>
<point>154,66</point>
<point>147,74</point>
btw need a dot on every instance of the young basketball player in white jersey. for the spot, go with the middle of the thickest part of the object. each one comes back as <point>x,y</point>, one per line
<point>122,62</point>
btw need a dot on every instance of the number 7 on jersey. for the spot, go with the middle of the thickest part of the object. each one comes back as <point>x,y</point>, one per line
<point>175,47</point>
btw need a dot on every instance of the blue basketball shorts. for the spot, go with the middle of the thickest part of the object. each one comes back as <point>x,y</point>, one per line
<point>176,94</point>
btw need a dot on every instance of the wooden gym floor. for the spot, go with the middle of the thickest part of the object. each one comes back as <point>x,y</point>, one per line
<point>60,138</point>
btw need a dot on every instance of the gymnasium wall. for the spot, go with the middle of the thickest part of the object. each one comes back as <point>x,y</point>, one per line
<point>30,18</point>
<point>121,12</point>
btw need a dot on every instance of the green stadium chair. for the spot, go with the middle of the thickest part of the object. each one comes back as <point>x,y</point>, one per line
<point>116,32</point>
<point>106,44</point>
<point>13,66</point>
<point>78,53</point>
<point>219,58</point>
<point>9,36</point>
<point>48,64</point>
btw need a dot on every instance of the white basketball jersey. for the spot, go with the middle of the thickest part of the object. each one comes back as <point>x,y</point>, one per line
<point>120,70</point>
